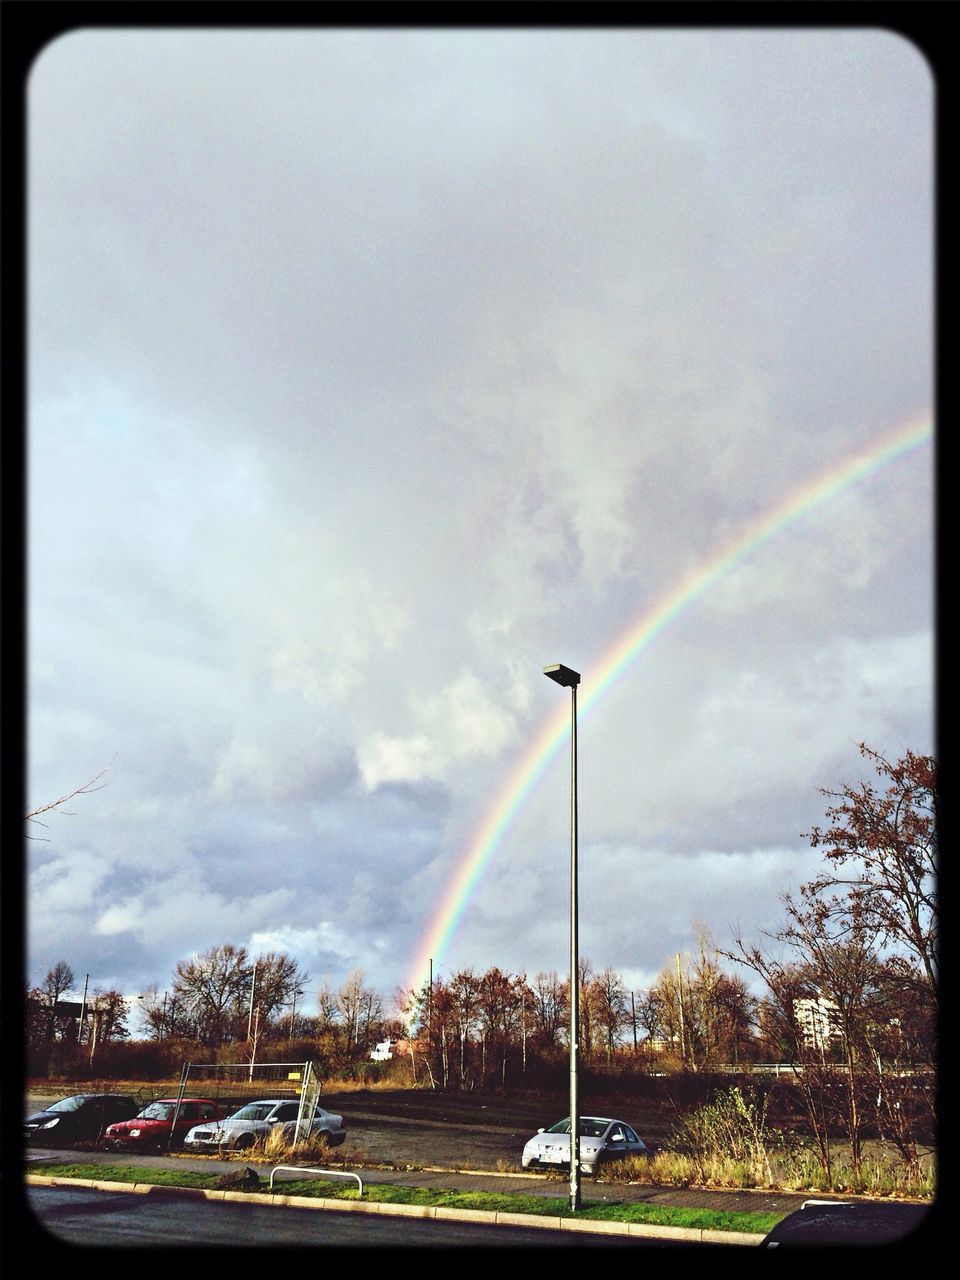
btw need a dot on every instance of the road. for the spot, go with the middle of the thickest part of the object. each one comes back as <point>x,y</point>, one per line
<point>71,1216</point>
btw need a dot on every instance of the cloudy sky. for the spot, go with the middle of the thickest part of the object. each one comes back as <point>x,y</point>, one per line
<point>371,371</point>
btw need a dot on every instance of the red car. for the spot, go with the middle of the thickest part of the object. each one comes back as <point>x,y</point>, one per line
<point>151,1128</point>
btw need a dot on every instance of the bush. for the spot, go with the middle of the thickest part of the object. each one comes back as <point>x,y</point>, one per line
<point>733,1127</point>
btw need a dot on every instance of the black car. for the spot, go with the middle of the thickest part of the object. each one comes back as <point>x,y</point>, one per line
<point>81,1118</point>
<point>841,1222</point>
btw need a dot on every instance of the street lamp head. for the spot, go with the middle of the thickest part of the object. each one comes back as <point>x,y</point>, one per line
<point>563,675</point>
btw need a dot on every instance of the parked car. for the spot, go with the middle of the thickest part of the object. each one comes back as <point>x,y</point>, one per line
<point>256,1120</point>
<point>80,1118</point>
<point>153,1125</point>
<point>841,1222</point>
<point>601,1139</point>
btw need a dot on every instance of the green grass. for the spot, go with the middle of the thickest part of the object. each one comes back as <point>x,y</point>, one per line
<point>386,1193</point>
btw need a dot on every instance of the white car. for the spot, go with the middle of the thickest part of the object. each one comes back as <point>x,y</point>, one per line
<point>601,1139</point>
<point>256,1120</point>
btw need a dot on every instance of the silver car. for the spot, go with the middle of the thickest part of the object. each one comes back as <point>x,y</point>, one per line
<point>256,1120</point>
<point>601,1139</point>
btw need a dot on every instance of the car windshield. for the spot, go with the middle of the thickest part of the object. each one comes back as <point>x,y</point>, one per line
<point>69,1104</point>
<point>253,1111</point>
<point>593,1128</point>
<point>588,1128</point>
<point>158,1111</point>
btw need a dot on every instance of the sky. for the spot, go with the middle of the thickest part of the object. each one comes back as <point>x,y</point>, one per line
<point>371,371</point>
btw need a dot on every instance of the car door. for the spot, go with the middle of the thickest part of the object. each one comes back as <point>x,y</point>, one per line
<point>286,1114</point>
<point>616,1144</point>
<point>635,1145</point>
<point>188,1117</point>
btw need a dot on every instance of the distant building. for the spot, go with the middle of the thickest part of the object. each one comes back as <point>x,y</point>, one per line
<point>381,1052</point>
<point>818,1020</point>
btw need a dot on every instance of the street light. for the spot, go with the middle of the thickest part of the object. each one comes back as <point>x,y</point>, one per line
<point>570,679</point>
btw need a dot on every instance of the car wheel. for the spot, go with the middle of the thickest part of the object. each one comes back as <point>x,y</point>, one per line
<point>244,1142</point>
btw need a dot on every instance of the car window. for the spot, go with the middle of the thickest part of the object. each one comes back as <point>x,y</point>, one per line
<point>288,1111</point>
<point>253,1111</point>
<point>617,1134</point>
<point>188,1111</point>
<point>631,1136</point>
<point>157,1111</point>
<point>68,1104</point>
<point>208,1112</point>
<point>592,1128</point>
<point>562,1126</point>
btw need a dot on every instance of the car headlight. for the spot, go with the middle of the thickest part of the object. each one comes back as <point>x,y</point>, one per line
<point>134,1133</point>
<point>48,1124</point>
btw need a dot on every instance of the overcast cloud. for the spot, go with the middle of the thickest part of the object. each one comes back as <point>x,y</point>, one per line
<point>372,370</point>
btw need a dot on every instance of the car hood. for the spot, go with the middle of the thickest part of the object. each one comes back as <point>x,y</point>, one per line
<point>232,1126</point>
<point>123,1126</point>
<point>40,1117</point>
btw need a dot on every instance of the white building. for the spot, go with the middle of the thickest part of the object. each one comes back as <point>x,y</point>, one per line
<point>818,1020</point>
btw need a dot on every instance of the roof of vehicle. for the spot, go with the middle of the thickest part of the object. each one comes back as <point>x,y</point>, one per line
<point>847,1222</point>
<point>125,1096</point>
<point>599,1120</point>
<point>266,1102</point>
<point>173,1101</point>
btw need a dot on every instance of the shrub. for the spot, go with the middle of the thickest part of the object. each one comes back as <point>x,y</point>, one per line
<point>732,1127</point>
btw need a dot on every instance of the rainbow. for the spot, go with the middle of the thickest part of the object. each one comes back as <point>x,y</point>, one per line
<point>597,682</point>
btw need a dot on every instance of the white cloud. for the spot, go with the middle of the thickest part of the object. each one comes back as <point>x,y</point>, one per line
<point>459,724</point>
<point>369,372</point>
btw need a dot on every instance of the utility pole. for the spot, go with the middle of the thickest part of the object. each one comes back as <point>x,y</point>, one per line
<point>83,1007</point>
<point>253,990</point>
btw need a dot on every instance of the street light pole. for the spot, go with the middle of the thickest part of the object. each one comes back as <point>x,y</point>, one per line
<point>565,676</point>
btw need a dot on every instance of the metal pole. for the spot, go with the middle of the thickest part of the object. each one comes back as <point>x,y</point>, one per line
<point>574,966</point>
<point>570,679</point>
<point>83,1007</point>
<point>253,988</point>
<point>252,1043</point>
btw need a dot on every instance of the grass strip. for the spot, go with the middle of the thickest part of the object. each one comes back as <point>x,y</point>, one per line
<point>388,1193</point>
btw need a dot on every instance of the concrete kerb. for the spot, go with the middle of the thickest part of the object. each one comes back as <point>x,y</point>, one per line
<point>692,1235</point>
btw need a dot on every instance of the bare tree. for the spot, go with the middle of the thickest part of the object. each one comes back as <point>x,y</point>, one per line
<point>359,1008</point>
<point>278,980</point>
<point>499,1009</point>
<point>608,999</point>
<point>881,852</point>
<point>464,989</point>
<point>213,988</point>
<point>56,806</point>
<point>58,982</point>
<point>153,1012</point>
<point>328,1012</point>
<point>550,1008</point>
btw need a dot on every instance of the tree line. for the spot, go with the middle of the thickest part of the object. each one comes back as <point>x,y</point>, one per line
<point>848,993</point>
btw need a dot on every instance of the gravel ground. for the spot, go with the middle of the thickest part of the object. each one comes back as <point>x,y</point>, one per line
<point>443,1140</point>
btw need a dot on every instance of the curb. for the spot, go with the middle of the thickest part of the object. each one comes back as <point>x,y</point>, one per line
<point>692,1235</point>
